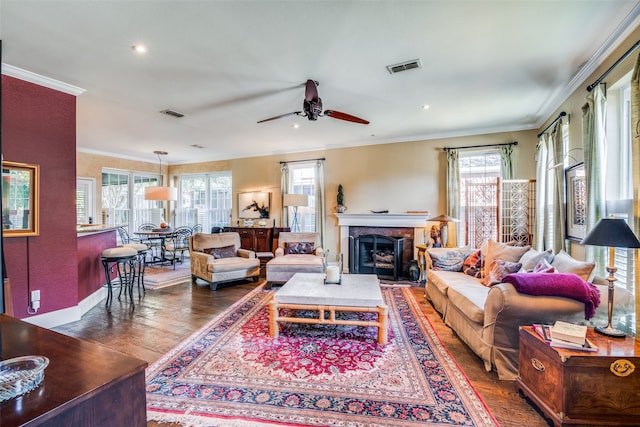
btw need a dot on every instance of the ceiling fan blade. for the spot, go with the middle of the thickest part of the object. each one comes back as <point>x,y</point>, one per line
<point>311,91</point>
<point>299,113</point>
<point>344,116</point>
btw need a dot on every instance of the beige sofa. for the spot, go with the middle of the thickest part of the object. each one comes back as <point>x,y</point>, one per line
<point>487,318</point>
<point>218,258</point>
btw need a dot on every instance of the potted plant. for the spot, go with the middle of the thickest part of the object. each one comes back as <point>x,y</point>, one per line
<point>340,200</point>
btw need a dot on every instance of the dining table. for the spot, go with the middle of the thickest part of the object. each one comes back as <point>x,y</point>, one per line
<point>160,234</point>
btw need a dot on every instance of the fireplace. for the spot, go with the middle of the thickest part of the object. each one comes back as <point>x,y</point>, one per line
<point>401,231</point>
<point>380,255</point>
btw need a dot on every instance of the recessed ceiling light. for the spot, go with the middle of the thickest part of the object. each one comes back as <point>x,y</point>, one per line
<point>295,126</point>
<point>139,48</point>
<point>425,107</point>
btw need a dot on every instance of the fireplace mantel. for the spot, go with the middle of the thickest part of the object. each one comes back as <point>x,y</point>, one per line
<point>416,221</point>
<point>383,220</point>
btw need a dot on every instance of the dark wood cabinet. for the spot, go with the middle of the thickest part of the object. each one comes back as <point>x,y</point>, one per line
<point>574,387</point>
<point>85,384</point>
<point>257,239</point>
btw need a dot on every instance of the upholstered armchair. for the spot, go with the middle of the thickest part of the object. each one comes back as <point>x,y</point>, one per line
<point>296,253</point>
<point>217,258</point>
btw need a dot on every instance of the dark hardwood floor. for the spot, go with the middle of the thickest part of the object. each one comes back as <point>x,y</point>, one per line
<point>164,317</point>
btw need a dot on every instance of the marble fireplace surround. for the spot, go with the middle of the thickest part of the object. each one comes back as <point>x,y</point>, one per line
<point>389,220</point>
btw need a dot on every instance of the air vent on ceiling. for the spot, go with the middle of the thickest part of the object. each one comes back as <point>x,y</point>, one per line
<point>404,66</point>
<point>172,113</point>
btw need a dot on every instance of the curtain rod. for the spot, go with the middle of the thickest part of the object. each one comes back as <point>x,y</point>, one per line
<point>480,146</point>
<point>306,160</point>
<point>606,73</point>
<point>561,115</point>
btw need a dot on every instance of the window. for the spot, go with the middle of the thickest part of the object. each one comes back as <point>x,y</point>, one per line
<point>123,200</point>
<point>302,180</point>
<point>619,183</point>
<point>479,173</point>
<point>85,200</point>
<point>204,199</point>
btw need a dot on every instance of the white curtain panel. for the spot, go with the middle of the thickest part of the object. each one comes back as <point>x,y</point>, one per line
<point>635,154</point>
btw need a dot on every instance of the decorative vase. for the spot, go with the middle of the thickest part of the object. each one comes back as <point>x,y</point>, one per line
<point>341,208</point>
<point>414,271</point>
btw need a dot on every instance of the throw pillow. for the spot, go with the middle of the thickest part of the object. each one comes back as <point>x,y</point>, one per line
<point>532,257</point>
<point>502,251</point>
<point>448,260</point>
<point>564,263</point>
<point>543,266</point>
<point>298,248</point>
<point>500,268</point>
<point>472,265</point>
<point>223,252</point>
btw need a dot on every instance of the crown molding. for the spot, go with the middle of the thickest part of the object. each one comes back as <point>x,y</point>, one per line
<point>624,30</point>
<point>28,76</point>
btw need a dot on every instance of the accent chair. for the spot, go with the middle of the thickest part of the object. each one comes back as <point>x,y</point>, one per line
<point>296,253</point>
<point>217,258</point>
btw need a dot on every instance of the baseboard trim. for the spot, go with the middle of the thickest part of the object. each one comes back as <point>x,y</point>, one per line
<point>69,314</point>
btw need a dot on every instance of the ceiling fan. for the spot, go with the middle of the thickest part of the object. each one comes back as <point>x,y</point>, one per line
<point>312,108</point>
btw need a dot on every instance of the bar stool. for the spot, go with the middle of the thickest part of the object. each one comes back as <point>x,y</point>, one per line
<point>141,262</point>
<point>124,260</point>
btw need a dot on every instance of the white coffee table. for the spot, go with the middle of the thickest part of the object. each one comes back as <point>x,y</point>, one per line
<point>307,291</point>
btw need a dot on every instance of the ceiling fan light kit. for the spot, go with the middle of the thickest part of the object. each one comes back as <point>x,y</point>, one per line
<point>312,108</point>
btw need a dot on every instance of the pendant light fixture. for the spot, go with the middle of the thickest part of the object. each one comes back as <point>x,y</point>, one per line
<point>159,192</point>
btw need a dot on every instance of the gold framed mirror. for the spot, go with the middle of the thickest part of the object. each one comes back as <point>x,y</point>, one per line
<point>20,197</point>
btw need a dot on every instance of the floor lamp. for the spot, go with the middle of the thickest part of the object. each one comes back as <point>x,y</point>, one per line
<point>295,201</point>
<point>614,233</point>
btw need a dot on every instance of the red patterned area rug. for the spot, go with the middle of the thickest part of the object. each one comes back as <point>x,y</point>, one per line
<point>231,373</point>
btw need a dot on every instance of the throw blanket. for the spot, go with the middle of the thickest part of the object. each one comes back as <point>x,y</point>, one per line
<point>557,284</point>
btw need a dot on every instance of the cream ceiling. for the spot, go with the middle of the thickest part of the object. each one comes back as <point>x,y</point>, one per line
<point>487,66</point>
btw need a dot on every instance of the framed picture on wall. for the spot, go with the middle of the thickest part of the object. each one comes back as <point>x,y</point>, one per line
<point>253,205</point>
<point>576,194</point>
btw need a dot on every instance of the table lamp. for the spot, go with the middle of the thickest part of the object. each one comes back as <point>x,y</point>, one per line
<point>614,233</point>
<point>444,221</point>
<point>295,201</point>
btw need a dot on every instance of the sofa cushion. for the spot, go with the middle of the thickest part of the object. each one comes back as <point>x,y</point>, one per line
<point>232,264</point>
<point>532,257</point>
<point>300,263</point>
<point>502,251</point>
<point>298,248</point>
<point>469,298</point>
<point>498,270</point>
<point>447,259</point>
<point>223,252</point>
<point>565,263</point>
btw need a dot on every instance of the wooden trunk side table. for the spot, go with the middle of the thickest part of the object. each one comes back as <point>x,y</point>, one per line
<point>574,387</point>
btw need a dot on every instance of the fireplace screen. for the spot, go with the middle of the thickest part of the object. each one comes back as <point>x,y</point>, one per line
<point>376,254</point>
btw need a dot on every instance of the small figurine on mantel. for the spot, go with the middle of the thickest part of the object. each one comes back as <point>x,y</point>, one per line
<point>341,208</point>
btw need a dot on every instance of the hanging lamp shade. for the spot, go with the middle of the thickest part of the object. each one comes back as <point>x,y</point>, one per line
<point>160,193</point>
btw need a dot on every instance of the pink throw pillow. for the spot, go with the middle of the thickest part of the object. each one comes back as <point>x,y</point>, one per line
<point>498,270</point>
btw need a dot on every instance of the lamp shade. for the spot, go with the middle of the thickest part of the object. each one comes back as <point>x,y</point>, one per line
<point>612,232</point>
<point>295,200</point>
<point>160,193</point>
<point>444,218</point>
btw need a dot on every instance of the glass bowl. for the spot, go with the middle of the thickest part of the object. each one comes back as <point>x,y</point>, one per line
<point>21,375</point>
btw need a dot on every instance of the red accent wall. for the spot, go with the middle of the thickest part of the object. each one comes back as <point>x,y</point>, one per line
<point>90,270</point>
<point>39,127</point>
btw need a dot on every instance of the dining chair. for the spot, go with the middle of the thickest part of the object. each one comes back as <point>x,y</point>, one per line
<point>177,243</point>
